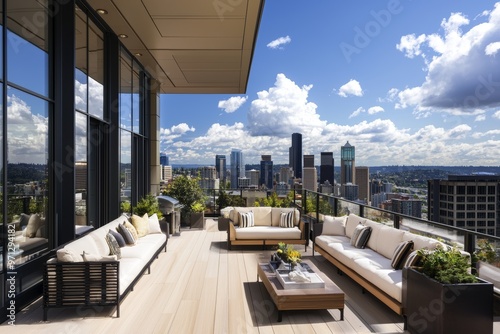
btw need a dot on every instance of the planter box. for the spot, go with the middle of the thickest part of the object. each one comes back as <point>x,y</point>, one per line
<point>433,307</point>
<point>197,220</point>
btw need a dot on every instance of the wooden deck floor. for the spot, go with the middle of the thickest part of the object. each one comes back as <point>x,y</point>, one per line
<point>198,286</point>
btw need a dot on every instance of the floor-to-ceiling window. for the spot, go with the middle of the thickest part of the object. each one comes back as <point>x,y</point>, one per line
<point>91,122</point>
<point>26,143</point>
<point>134,152</point>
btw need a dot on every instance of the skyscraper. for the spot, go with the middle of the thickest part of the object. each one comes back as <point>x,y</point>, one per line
<point>237,167</point>
<point>363,182</point>
<point>164,159</point>
<point>296,155</point>
<point>347,164</point>
<point>310,175</point>
<point>220,167</point>
<point>266,172</point>
<point>326,168</point>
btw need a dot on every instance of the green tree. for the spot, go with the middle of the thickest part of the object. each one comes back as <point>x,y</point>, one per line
<point>188,192</point>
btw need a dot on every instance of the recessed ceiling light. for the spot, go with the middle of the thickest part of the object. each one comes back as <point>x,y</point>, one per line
<point>123,36</point>
<point>102,11</point>
<point>138,54</point>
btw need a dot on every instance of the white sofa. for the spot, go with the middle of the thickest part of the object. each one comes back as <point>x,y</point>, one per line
<point>266,229</point>
<point>85,273</point>
<point>371,267</point>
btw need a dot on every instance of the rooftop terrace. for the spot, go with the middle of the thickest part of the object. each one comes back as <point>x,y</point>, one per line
<point>198,286</point>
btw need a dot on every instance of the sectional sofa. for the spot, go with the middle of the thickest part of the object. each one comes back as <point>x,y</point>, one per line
<point>265,226</point>
<point>375,262</point>
<point>98,270</point>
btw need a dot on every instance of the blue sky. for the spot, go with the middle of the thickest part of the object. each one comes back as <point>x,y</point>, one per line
<point>405,82</point>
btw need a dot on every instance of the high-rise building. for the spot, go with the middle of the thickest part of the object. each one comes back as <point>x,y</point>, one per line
<point>296,155</point>
<point>363,182</point>
<point>347,164</point>
<point>166,173</point>
<point>220,168</point>
<point>237,167</point>
<point>266,172</point>
<point>208,177</point>
<point>254,178</point>
<point>164,161</point>
<point>326,168</point>
<point>286,175</point>
<point>466,201</point>
<point>350,191</point>
<point>407,206</point>
<point>309,175</point>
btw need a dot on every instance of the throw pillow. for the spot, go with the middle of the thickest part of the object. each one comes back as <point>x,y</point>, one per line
<point>88,257</point>
<point>129,238</point>
<point>247,219</point>
<point>334,225</point>
<point>413,260</point>
<point>34,224</point>
<point>119,238</point>
<point>114,249</point>
<point>360,236</point>
<point>400,254</point>
<point>154,224</point>
<point>132,230</point>
<point>141,224</point>
<point>286,219</point>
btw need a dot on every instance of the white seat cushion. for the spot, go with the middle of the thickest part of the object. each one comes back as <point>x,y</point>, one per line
<point>268,232</point>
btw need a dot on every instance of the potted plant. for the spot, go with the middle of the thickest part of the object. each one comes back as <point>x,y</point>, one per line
<point>440,295</point>
<point>197,215</point>
<point>148,204</point>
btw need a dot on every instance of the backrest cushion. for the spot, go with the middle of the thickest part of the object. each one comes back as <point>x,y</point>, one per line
<point>388,239</point>
<point>372,241</point>
<point>334,225</point>
<point>352,221</point>
<point>247,219</point>
<point>420,241</point>
<point>262,215</point>
<point>234,215</point>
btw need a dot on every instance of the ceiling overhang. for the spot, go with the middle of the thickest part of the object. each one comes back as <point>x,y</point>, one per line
<point>189,46</point>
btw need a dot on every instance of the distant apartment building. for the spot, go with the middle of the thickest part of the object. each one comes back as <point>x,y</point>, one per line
<point>282,189</point>
<point>377,186</point>
<point>243,182</point>
<point>466,201</point>
<point>286,175</point>
<point>295,155</point>
<point>407,205</point>
<point>220,168</point>
<point>237,167</point>
<point>363,182</point>
<point>208,178</point>
<point>166,173</point>
<point>326,188</point>
<point>377,199</point>
<point>254,178</point>
<point>266,172</point>
<point>309,174</point>
<point>350,191</point>
<point>326,172</point>
<point>347,164</point>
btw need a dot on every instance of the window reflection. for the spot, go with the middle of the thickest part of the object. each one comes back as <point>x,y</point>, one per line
<point>125,169</point>
<point>125,91</point>
<point>136,98</point>
<point>81,170</point>
<point>27,172</point>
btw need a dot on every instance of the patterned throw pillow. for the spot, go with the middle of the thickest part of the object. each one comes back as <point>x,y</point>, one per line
<point>400,254</point>
<point>119,238</point>
<point>114,249</point>
<point>247,219</point>
<point>360,236</point>
<point>286,219</point>
<point>129,238</point>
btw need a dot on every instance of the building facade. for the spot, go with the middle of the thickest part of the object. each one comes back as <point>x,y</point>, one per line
<point>309,174</point>
<point>80,91</point>
<point>363,182</point>
<point>296,155</point>
<point>220,167</point>
<point>326,168</point>
<point>237,167</point>
<point>466,201</point>
<point>347,164</point>
<point>266,172</point>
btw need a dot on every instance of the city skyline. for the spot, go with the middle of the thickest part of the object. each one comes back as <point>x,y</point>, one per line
<point>402,89</point>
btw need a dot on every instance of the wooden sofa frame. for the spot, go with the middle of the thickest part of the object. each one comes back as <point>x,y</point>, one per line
<point>96,283</point>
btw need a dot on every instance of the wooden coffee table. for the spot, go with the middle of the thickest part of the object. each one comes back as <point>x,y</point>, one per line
<point>329,297</point>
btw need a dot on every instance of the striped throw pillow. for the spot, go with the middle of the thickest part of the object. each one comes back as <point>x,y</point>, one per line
<point>400,254</point>
<point>246,219</point>
<point>286,219</point>
<point>360,236</point>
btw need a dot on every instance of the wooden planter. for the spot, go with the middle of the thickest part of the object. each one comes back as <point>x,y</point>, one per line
<point>197,220</point>
<point>433,307</point>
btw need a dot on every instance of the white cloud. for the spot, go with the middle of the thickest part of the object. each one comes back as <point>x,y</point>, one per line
<point>176,131</point>
<point>461,76</point>
<point>496,114</point>
<point>283,109</point>
<point>232,104</point>
<point>279,42</point>
<point>357,112</point>
<point>480,118</point>
<point>492,49</point>
<point>351,88</point>
<point>375,110</point>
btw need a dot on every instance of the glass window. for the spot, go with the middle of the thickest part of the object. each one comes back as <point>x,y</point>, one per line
<point>96,71</point>
<point>125,91</point>
<point>136,99</point>
<point>125,168</point>
<point>28,45</point>
<point>27,172</point>
<point>81,52</point>
<point>81,169</point>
